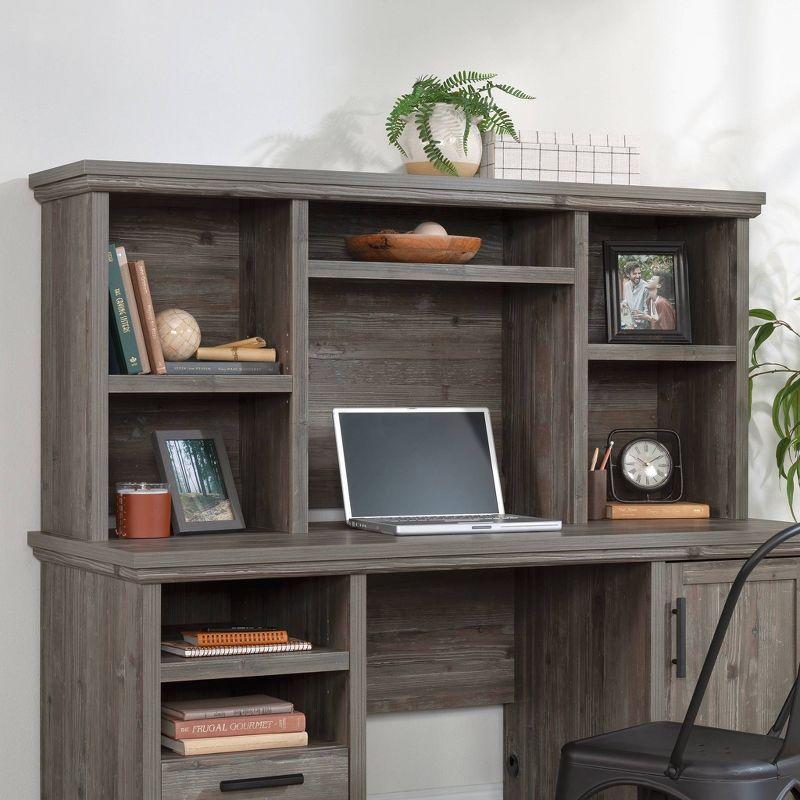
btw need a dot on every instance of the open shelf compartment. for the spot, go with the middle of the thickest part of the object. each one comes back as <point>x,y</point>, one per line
<point>516,246</point>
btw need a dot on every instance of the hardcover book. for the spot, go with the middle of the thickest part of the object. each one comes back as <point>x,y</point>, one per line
<point>233,726</point>
<point>253,705</point>
<point>223,368</point>
<point>141,288</point>
<point>136,322</point>
<point>120,319</point>
<point>186,650</point>
<point>234,744</point>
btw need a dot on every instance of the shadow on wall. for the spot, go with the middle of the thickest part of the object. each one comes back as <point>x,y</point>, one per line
<point>343,140</point>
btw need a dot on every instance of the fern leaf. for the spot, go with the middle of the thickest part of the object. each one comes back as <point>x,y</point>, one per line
<point>465,77</point>
<point>519,94</point>
<point>439,159</point>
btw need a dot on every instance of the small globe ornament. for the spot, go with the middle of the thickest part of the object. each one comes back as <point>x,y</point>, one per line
<point>179,334</point>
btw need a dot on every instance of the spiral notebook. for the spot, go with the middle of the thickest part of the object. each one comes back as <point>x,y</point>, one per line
<point>186,650</point>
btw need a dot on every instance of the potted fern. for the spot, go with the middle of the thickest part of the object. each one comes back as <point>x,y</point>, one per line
<point>437,126</point>
<point>785,403</point>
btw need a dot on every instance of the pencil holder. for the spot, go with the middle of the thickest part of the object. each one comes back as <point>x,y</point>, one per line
<point>597,493</point>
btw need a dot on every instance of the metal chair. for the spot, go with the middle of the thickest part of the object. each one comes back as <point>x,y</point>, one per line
<point>689,762</point>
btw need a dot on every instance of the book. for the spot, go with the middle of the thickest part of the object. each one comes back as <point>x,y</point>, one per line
<point>147,314</point>
<point>294,722</point>
<point>235,636</point>
<point>114,367</point>
<point>120,319</point>
<point>223,368</point>
<point>657,511</point>
<point>186,650</point>
<point>136,323</point>
<point>236,354</point>
<point>251,705</point>
<point>234,744</point>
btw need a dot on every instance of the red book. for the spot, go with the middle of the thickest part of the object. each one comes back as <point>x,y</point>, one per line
<point>233,726</point>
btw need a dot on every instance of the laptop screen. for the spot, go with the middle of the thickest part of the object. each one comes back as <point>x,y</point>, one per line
<point>417,462</point>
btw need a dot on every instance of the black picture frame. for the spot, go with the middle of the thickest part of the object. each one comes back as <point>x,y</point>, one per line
<point>676,295</point>
<point>213,472</point>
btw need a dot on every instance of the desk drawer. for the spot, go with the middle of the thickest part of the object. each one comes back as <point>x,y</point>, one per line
<point>323,767</point>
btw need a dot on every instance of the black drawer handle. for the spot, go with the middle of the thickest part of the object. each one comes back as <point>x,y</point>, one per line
<point>243,784</point>
<point>680,637</point>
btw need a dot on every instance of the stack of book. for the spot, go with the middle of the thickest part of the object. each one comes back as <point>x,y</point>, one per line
<point>233,641</point>
<point>231,724</point>
<point>135,346</point>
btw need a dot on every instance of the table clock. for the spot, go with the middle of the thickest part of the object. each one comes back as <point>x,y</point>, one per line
<point>645,466</point>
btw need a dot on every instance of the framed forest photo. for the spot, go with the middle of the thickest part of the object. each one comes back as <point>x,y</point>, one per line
<point>647,293</point>
<point>195,466</point>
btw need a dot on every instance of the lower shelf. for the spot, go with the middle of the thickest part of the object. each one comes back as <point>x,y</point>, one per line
<point>322,765</point>
<point>320,659</point>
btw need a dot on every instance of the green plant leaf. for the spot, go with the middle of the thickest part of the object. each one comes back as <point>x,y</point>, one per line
<point>780,455</point>
<point>763,313</point>
<point>504,87</point>
<point>465,77</point>
<point>764,332</point>
<point>791,477</point>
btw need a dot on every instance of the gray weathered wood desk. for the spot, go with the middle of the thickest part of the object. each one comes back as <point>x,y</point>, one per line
<point>571,633</point>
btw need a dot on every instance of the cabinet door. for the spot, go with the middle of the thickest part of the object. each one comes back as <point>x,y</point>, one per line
<point>759,659</point>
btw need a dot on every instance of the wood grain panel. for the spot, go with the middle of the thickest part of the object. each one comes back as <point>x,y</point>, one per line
<point>443,640</point>
<point>582,665</point>
<point>99,669</point>
<point>192,179</point>
<point>466,273</point>
<point>396,345</point>
<point>74,366</point>
<point>700,402</point>
<point>621,396</point>
<point>191,249</point>
<point>357,687</point>
<point>274,302</point>
<point>758,662</point>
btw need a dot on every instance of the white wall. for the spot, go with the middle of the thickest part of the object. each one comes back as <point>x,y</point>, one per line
<point>709,85</point>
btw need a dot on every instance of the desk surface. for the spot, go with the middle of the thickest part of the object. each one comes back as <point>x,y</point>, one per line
<point>336,549</point>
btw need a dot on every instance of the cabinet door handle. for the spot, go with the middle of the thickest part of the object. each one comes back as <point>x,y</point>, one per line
<point>680,637</point>
<point>243,784</point>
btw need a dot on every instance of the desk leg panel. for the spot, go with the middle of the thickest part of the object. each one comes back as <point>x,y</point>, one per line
<point>358,688</point>
<point>582,654</point>
<point>100,733</point>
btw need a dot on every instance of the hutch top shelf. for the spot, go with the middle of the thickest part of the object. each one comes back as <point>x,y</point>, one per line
<point>215,181</point>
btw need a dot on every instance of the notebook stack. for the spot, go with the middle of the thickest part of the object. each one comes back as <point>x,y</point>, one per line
<point>231,724</point>
<point>233,641</point>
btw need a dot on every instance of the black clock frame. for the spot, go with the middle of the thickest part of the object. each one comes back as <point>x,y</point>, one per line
<point>670,493</point>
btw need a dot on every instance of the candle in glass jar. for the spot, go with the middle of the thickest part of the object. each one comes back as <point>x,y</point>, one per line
<point>143,510</point>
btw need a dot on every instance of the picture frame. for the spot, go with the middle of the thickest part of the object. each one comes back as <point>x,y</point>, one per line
<point>195,466</point>
<point>647,292</point>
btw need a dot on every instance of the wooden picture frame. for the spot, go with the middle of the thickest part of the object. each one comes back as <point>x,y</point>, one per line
<point>647,292</point>
<point>203,467</point>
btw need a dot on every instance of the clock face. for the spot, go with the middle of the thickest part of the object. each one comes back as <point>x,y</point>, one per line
<point>646,464</point>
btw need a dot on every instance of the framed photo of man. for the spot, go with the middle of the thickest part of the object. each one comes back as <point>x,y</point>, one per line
<point>647,292</point>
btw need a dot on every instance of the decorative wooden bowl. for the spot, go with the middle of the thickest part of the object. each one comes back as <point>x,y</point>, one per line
<point>413,248</point>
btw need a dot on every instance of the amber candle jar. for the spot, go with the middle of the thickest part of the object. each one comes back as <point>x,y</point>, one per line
<point>143,510</point>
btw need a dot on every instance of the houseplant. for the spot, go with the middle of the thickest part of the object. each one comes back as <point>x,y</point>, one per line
<point>785,404</point>
<point>447,119</point>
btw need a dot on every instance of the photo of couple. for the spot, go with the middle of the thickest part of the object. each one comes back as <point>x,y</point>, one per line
<point>647,294</point>
<point>648,300</point>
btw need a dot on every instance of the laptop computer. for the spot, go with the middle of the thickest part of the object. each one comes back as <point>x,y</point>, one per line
<point>410,471</point>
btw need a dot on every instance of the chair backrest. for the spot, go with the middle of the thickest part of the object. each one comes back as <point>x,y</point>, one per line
<point>790,712</point>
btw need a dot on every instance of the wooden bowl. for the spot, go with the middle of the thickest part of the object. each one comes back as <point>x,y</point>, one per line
<point>410,248</point>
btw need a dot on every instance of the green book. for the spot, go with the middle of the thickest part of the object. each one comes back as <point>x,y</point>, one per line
<point>120,318</point>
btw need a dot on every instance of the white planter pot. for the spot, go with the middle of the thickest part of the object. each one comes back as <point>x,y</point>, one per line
<point>447,125</point>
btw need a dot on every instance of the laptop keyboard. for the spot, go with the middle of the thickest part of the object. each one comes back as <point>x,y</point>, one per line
<point>453,517</point>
